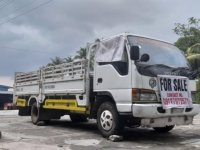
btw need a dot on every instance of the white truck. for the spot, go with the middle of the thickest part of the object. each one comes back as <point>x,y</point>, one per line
<point>126,80</point>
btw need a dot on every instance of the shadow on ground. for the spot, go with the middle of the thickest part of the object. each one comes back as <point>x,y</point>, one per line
<point>140,135</point>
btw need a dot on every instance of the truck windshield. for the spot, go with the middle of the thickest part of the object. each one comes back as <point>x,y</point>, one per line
<point>159,52</point>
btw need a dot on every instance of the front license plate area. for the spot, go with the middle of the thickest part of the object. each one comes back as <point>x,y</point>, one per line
<point>177,110</point>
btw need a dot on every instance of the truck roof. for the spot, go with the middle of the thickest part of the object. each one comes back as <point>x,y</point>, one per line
<point>131,34</point>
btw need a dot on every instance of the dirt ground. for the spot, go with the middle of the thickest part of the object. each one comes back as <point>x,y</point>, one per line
<point>18,133</point>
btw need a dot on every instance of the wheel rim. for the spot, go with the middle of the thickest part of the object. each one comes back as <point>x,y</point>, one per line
<point>106,120</point>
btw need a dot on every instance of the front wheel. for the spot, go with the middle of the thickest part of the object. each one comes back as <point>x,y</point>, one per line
<point>164,129</point>
<point>108,120</point>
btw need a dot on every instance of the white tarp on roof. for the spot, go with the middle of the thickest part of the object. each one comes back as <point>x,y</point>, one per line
<point>110,50</point>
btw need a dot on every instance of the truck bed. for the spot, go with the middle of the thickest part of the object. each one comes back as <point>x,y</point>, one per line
<point>65,78</point>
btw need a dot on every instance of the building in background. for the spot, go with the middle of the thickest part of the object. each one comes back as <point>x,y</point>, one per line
<point>6,97</point>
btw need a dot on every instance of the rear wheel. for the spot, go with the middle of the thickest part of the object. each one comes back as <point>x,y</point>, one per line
<point>108,120</point>
<point>78,118</point>
<point>163,129</point>
<point>35,113</point>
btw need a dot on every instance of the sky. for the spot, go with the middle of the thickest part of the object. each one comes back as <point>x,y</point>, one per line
<point>33,31</point>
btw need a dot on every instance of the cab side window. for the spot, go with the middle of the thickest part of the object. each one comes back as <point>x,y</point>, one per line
<point>120,66</point>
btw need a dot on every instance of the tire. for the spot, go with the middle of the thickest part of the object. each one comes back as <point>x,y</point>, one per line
<point>108,120</point>
<point>78,118</point>
<point>35,113</point>
<point>164,129</point>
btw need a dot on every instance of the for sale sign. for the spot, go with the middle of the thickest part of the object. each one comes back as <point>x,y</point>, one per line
<point>174,91</point>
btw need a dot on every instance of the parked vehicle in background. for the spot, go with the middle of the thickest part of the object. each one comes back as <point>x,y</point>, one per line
<point>126,80</point>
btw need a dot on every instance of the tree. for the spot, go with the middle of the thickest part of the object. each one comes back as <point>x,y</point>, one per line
<point>55,61</point>
<point>190,29</point>
<point>81,54</point>
<point>194,61</point>
<point>68,59</point>
<point>189,33</point>
<point>189,42</point>
<point>195,49</point>
<point>183,43</point>
<point>194,56</point>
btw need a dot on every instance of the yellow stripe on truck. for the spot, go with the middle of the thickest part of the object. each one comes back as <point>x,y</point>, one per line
<point>21,102</point>
<point>64,104</point>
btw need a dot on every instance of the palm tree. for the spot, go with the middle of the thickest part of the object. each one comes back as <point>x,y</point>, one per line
<point>68,59</point>
<point>81,54</point>
<point>55,61</point>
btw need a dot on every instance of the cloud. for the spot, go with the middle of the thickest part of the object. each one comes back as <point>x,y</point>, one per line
<point>62,27</point>
<point>4,80</point>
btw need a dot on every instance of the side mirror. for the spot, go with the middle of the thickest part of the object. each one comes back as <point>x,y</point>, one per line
<point>144,58</point>
<point>135,52</point>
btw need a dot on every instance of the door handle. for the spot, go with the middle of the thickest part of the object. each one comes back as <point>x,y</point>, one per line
<point>99,80</point>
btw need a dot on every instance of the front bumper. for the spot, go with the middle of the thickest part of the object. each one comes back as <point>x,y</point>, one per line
<point>152,111</point>
<point>152,115</point>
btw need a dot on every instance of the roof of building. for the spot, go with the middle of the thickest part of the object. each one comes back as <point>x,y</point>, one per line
<point>6,92</point>
<point>4,88</point>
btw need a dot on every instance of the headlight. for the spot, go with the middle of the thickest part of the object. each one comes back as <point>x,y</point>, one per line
<point>143,95</point>
<point>148,96</point>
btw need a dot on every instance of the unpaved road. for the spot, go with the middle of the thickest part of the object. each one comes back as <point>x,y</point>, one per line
<point>18,133</point>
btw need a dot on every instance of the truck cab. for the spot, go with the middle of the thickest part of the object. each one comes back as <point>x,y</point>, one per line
<point>150,82</point>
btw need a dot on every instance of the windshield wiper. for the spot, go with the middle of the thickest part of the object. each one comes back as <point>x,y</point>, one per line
<point>155,65</point>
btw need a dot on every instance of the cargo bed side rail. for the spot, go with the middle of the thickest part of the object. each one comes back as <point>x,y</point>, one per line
<point>66,71</point>
<point>27,78</point>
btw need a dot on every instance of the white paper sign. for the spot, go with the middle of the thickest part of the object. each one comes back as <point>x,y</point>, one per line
<point>174,91</point>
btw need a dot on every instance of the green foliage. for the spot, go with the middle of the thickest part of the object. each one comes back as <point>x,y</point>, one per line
<point>194,61</point>
<point>189,42</point>
<point>189,33</point>
<point>195,49</point>
<point>68,59</point>
<point>190,29</point>
<point>55,61</point>
<point>183,43</point>
<point>81,54</point>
